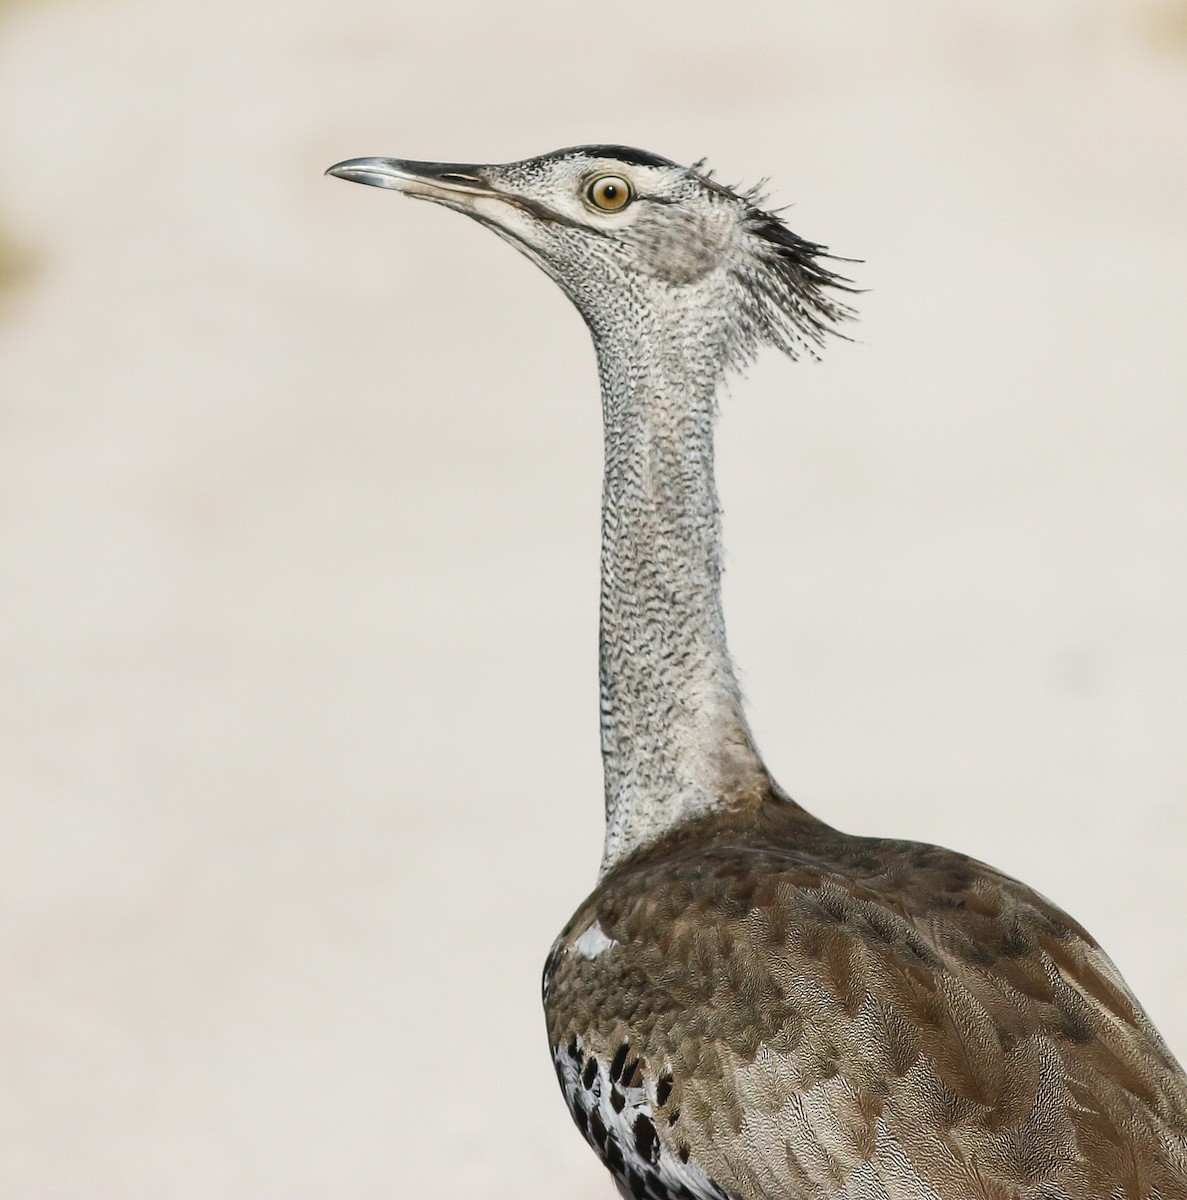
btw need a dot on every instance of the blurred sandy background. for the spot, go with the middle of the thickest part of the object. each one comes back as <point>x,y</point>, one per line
<point>299,518</point>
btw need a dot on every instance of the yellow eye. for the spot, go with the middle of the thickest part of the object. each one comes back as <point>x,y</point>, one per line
<point>609,192</point>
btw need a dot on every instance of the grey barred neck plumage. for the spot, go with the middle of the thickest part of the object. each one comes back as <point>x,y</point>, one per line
<point>685,280</point>
<point>752,1005</point>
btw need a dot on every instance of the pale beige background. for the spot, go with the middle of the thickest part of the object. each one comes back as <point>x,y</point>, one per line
<point>299,514</point>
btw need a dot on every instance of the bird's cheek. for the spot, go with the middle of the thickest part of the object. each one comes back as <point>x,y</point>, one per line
<point>671,255</point>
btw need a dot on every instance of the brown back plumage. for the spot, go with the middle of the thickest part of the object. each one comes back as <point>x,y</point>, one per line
<point>815,1015</point>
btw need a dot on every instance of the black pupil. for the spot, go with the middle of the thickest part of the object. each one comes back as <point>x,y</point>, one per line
<point>609,191</point>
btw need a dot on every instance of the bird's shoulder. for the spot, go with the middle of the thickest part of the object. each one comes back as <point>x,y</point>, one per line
<point>805,1011</point>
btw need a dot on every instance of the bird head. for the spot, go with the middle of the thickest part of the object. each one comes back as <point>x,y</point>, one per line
<point>628,234</point>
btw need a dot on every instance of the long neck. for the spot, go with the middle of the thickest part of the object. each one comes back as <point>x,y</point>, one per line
<point>675,743</point>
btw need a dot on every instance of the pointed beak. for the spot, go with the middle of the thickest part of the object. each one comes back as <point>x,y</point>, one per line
<point>448,183</point>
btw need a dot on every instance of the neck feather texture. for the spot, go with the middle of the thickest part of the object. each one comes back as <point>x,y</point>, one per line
<point>675,743</point>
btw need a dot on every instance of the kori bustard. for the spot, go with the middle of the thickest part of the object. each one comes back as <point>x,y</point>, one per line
<point>752,1005</point>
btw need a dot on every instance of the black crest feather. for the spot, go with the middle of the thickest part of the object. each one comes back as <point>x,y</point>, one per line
<point>802,308</point>
<point>790,297</point>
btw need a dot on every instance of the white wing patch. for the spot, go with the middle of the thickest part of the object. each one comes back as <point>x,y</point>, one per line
<point>593,942</point>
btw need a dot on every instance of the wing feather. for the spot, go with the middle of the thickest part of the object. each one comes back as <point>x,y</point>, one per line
<point>941,1035</point>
